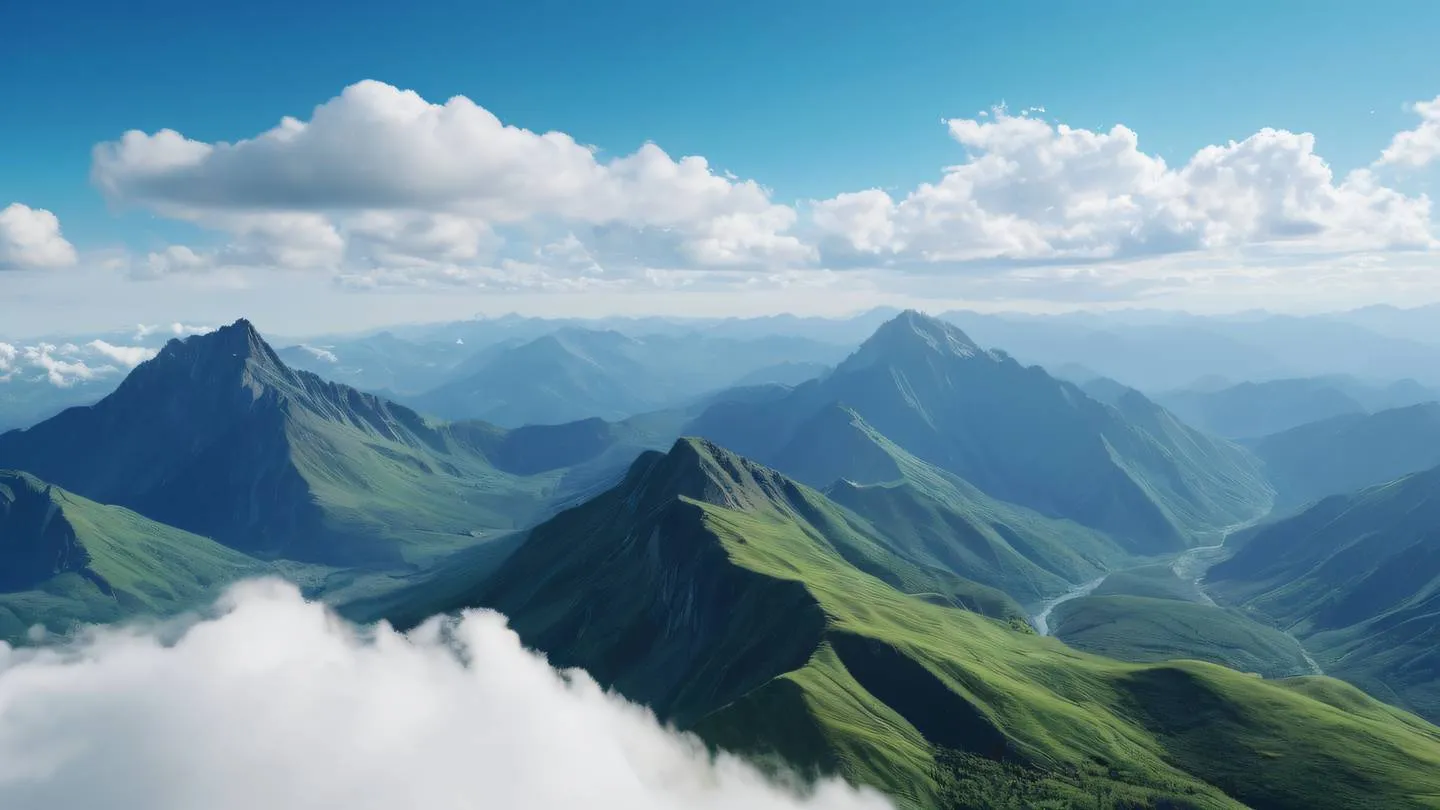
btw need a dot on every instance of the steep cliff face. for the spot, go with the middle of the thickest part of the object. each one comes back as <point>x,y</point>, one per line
<point>37,542</point>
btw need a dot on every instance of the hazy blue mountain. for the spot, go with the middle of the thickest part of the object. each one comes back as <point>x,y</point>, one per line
<point>379,362</point>
<point>1419,324</point>
<point>577,373</point>
<point>1350,452</point>
<point>1016,433</point>
<point>1169,351</point>
<point>1357,578</point>
<point>218,437</point>
<point>788,372</point>
<point>1254,409</point>
<point>1147,356</point>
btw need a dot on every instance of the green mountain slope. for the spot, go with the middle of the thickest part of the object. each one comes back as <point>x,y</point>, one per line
<point>754,611</point>
<point>218,437</point>
<point>72,561</point>
<point>942,519</point>
<point>1357,578</point>
<point>1350,452</point>
<point>1016,433</point>
<point>1146,628</point>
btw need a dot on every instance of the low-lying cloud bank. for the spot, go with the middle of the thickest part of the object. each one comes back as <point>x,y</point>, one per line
<point>273,702</point>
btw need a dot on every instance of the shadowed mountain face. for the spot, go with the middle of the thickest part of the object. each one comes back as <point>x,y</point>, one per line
<point>36,542</point>
<point>772,622</point>
<point>218,437</point>
<point>68,560</point>
<point>1350,452</point>
<point>1357,578</point>
<point>1017,433</point>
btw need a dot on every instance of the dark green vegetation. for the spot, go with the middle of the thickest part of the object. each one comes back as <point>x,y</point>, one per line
<point>216,436</point>
<point>580,373</point>
<point>778,624</point>
<point>1017,434</point>
<point>1357,579</point>
<point>69,561</point>
<point>1350,452</point>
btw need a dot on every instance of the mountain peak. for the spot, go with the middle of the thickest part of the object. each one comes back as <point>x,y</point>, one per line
<point>236,348</point>
<point>910,332</point>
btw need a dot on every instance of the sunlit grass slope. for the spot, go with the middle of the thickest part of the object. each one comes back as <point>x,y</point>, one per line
<point>72,561</point>
<point>774,622</point>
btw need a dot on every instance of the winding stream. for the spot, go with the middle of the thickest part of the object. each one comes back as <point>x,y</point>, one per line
<point>1041,621</point>
<point>1189,566</point>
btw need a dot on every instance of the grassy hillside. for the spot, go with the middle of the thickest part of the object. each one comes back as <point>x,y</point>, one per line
<point>73,561</point>
<point>751,609</point>
<point>938,517</point>
<point>1357,578</point>
<point>1145,628</point>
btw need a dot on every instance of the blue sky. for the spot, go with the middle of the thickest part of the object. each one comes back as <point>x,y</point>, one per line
<point>809,99</point>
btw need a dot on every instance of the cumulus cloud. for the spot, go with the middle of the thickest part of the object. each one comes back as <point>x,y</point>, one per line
<point>65,365</point>
<point>176,329</point>
<point>1034,191</point>
<point>60,365</point>
<point>275,703</point>
<point>8,355</point>
<point>1415,148</point>
<point>127,356</point>
<point>373,163</point>
<point>30,239</point>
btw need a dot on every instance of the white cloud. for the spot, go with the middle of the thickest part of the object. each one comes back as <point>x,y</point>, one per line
<point>60,365</point>
<point>373,159</point>
<point>1032,191</point>
<point>126,356</point>
<point>1416,147</point>
<point>275,703</point>
<point>65,365</point>
<point>30,239</point>
<point>177,329</point>
<point>323,355</point>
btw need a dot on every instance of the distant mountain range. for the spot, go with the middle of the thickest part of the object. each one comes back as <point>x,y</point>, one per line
<point>832,567</point>
<point>1251,410</point>
<point>575,374</point>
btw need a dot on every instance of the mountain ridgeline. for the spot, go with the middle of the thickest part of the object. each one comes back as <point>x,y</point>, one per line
<point>829,571</point>
<point>216,436</point>
<point>1357,578</point>
<point>773,622</point>
<point>1016,433</point>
